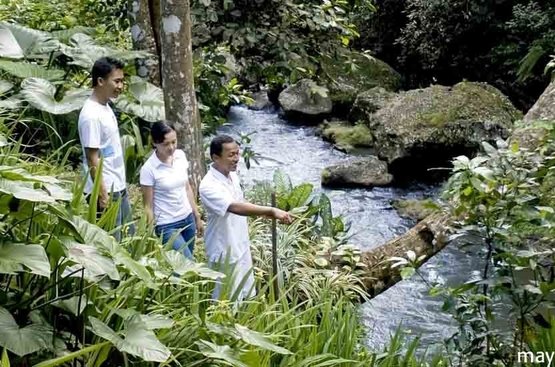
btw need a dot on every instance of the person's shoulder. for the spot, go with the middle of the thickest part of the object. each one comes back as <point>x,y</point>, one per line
<point>180,154</point>
<point>148,163</point>
<point>207,181</point>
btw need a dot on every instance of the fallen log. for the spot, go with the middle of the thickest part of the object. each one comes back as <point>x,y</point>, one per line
<point>426,238</point>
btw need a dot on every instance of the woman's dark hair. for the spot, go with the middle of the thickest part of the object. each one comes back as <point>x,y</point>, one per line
<point>103,67</point>
<point>159,130</point>
<point>217,144</point>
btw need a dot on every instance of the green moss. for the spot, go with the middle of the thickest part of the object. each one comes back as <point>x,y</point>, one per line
<point>347,136</point>
<point>326,174</point>
<point>415,209</point>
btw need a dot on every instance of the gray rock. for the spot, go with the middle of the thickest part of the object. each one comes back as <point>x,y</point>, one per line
<point>261,101</point>
<point>364,172</point>
<point>305,100</point>
<point>544,108</point>
<point>424,128</point>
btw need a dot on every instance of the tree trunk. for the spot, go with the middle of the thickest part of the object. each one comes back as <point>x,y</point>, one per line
<point>144,23</point>
<point>426,238</point>
<point>178,83</point>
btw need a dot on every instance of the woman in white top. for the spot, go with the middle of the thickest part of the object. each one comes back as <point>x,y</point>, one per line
<point>167,194</point>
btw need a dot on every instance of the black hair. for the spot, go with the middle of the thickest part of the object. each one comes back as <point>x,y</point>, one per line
<point>159,130</point>
<point>103,67</point>
<point>217,144</point>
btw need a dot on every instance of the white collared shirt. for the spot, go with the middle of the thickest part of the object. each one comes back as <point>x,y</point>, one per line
<point>225,232</point>
<point>98,128</point>
<point>169,185</point>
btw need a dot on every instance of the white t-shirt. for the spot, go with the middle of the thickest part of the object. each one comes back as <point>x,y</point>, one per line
<point>225,231</point>
<point>98,128</point>
<point>168,181</point>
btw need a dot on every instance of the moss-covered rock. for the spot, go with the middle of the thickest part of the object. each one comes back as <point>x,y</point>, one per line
<point>368,102</point>
<point>415,209</point>
<point>424,128</point>
<point>345,136</point>
<point>363,172</point>
<point>352,72</point>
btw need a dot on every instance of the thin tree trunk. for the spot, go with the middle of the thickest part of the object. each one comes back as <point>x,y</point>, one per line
<point>143,34</point>
<point>425,238</point>
<point>178,82</point>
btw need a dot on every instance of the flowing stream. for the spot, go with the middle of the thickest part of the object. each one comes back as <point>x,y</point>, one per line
<point>302,155</point>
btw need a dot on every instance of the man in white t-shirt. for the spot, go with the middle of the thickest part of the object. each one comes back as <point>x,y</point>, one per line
<point>227,233</point>
<point>100,139</point>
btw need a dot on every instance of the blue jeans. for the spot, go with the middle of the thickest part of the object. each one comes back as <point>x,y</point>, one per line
<point>185,240</point>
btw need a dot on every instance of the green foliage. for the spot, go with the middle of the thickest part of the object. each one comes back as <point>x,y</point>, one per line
<point>274,41</point>
<point>494,196</point>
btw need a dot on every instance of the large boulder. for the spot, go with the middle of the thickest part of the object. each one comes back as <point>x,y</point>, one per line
<point>544,108</point>
<point>426,128</point>
<point>533,132</point>
<point>352,72</point>
<point>305,101</point>
<point>261,101</point>
<point>345,136</point>
<point>368,102</point>
<point>363,172</point>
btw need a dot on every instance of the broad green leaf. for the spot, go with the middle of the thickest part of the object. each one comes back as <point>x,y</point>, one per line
<point>74,305</point>
<point>24,191</point>
<point>23,341</point>
<point>258,339</point>
<point>66,34</point>
<point>20,174</point>
<point>58,192</point>
<point>16,257</point>
<point>137,340</point>
<point>3,141</point>
<point>300,195</point>
<point>9,48</point>
<point>181,265</point>
<point>122,257</point>
<point>143,99</point>
<point>27,70</point>
<point>85,51</point>
<point>282,182</point>
<point>12,103</point>
<point>33,43</point>
<point>96,265</point>
<point>219,352</point>
<point>5,86</point>
<point>152,321</point>
<point>40,93</point>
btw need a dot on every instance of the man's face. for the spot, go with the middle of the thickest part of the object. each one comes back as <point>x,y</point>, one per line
<point>112,84</point>
<point>229,158</point>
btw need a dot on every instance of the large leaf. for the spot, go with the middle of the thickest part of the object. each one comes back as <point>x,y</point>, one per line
<point>5,86</point>
<point>137,339</point>
<point>219,352</point>
<point>16,257</point>
<point>181,265</point>
<point>74,305</point>
<point>20,174</point>
<point>299,196</point>
<point>258,339</point>
<point>66,34</point>
<point>85,51</point>
<point>144,100</point>
<point>96,265</point>
<point>24,191</point>
<point>33,43</point>
<point>40,93</point>
<point>27,70</point>
<point>23,341</point>
<point>152,322</point>
<point>9,47</point>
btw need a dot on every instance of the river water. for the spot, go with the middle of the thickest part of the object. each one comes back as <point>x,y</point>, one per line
<point>302,155</point>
